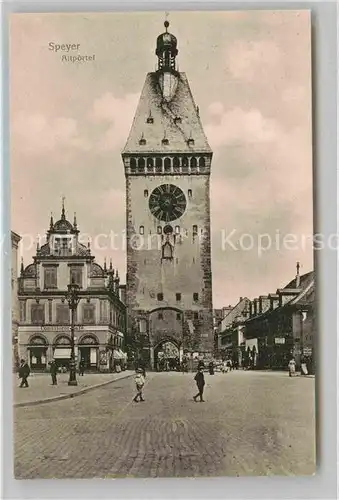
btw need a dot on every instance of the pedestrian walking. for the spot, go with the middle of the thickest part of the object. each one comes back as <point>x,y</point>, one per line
<point>53,370</point>
<point>211,368</point>
<point>139,383</point>
<point>200,381</point>
<point>24,371</point>
<point>291,367</point>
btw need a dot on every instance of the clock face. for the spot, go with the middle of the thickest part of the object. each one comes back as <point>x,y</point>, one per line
<point>167,202</point>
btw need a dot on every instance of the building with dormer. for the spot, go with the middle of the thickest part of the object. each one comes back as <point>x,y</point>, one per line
<point>44,315</point>
<point>167,162</point>
<point>283,324</point>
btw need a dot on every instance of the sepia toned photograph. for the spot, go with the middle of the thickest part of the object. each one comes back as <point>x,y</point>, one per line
<point>163,283</point>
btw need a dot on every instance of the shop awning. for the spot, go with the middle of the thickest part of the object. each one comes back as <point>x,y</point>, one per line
<point>118,354</point>
<point>63,353</point>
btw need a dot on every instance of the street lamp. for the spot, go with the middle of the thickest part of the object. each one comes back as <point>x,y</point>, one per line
<point>73,299</point>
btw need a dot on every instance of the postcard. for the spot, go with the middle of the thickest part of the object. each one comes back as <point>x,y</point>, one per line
<point>163,285</point>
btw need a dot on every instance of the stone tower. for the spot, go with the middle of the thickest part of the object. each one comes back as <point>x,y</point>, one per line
<point>167,162</point>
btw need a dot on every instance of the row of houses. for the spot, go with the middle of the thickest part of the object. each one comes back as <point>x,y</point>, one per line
<point>41,314</point>
<point>271,328</point>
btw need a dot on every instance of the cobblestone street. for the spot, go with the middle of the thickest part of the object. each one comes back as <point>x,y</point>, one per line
<point>252,423</point>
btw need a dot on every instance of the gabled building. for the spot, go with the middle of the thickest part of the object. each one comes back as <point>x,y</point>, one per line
<point>44,324</point>
<point>282,324</point>
<point>230,330</point>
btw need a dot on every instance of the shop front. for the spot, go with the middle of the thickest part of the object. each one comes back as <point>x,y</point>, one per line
<point>62,352</point>
<point>37,353</point>
<point>89,352</point>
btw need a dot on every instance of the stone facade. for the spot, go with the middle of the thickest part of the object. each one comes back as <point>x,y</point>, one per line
<point>44,331</point>
<point>169,279</point>
<point>15,239</point>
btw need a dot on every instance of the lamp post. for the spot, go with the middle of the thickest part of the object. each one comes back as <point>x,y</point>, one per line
<point>73,299</point>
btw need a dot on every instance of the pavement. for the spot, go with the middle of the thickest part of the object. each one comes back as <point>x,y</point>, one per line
<point>41,390</point>
<point>252,424</point>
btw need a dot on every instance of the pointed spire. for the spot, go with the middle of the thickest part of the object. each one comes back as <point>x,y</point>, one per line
<point>105,265</point>
<point>51,222</point>
<point>63,216</point>
<point>75,224</point>
<point>37,245</point>
<point>110,264</point>
<point>22,267</point>
<point>297,278</point>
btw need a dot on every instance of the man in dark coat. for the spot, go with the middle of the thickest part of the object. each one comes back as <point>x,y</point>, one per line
<point>54,371</point>
<point>82,367</point>
<point>24,372</point>
<point>200,381</point>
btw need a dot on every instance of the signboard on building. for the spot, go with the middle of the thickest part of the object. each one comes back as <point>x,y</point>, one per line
<point>60,328</point>
<point>279,340</point>
<point>307,351</point>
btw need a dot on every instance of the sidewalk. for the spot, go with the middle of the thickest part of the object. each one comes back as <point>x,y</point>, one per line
<point>41,390</point>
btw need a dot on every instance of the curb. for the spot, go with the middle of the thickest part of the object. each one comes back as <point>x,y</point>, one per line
<point>70,395</point>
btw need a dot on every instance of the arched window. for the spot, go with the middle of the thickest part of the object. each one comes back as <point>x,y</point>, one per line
<point>177,229</point>
<point>185,164</point>
<point>176,163</point>
<point>150,163</point>
<point>158,164</point>
<point>133,164</point>
<point>141,165</point>
<point>194,162</point>
<point>167,164</point>
<point>141,230</point>
<point>167,251</point>
<point>202,163</point>
<point>88,340</point>
<point>159,230</point>
<point>189,192</point>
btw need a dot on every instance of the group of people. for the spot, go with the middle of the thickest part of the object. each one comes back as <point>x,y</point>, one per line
<point>24,371</point>
<point>304,366</point>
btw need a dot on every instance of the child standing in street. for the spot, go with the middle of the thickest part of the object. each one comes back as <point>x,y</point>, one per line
<point>139,383</point>
<point>200,380</point>
<point>291,367</point>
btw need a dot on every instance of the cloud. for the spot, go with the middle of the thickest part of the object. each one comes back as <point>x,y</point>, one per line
<point>239,126</point>
<point>118,113</point>
<point>250,60</point>
<point>35,134</point>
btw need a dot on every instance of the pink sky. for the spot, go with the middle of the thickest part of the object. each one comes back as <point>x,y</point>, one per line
<point>250,74</point>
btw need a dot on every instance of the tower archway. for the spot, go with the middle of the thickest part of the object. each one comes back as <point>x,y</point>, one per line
<point>167,355</point>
